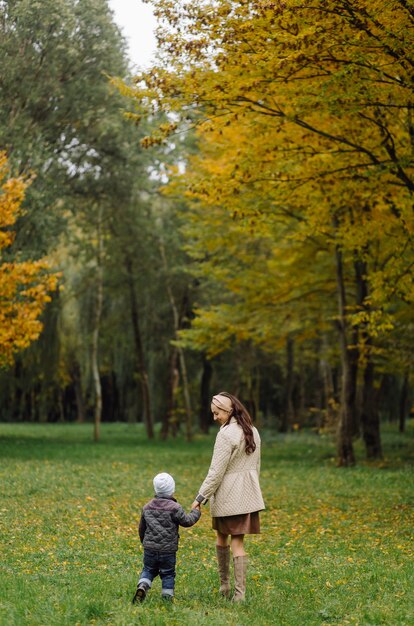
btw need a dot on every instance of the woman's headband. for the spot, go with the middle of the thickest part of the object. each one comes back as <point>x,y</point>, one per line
<point>223,403</point>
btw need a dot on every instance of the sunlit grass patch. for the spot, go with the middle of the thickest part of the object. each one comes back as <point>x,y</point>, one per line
<point>336,545</point>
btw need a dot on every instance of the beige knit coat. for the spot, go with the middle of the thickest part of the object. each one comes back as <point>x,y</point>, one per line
<point>232,483</point>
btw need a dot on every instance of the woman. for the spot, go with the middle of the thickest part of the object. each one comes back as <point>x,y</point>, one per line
<point>232,486</point>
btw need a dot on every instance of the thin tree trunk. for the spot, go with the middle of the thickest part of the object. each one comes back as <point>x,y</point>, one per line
<point>289,411</point>
<point>205,399</point>
<point>139,352</point>
<point>169,423</point>
<point>369,415</point>
<point>256,398</point>
<point>80,403</point>
<point>251,402</point>
<point>181,356</point>
<point>301,391</point>
<point>95,332</point>
<point>61,406</point>
<point>346,423</point>
<point>403,403</point>
<point>75,375</point>
<point>328,386</point>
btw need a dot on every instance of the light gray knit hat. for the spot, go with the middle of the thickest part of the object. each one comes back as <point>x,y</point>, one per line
<point>164,484</point>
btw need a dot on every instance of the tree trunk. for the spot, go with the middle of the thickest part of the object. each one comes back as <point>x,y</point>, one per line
<point>139,352</point>
<point>369,414</point>
<point>289,411</point>
<point>75,375</point>
<point>205,396</point>
<point>181,356</point>
<point>61,405</point>
<point>302,400</point>
<point>95,331</point>
<point>403,403</point>
<point>256,397</point>
<point>328,388</point>
<point>169,423</point>
<point>346,423</point>
<point>186,391</point>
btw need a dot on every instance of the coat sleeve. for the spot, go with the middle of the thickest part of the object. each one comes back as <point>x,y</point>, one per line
<point>142,527</point>
<point>218,466</point>
<point>184,519</point>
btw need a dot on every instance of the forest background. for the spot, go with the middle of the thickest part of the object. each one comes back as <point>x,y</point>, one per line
<point>238,217</point>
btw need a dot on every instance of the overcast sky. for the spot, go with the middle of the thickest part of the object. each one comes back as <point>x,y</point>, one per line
<point>137,23</point>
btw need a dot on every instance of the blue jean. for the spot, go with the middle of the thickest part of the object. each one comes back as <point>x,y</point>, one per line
<point>160,564</point>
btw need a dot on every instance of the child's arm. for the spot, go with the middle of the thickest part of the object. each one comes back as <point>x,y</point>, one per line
<point>142,527</point>
<point>184,519</point>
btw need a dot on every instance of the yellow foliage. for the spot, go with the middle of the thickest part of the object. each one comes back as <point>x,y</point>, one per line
<point>24,286</point>
<point>303,115</point>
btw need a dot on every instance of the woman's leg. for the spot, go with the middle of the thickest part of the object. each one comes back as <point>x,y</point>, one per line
<point>237,545</point>
<point>240,561</point>
<point>223,561</point>
<point>222,539</point>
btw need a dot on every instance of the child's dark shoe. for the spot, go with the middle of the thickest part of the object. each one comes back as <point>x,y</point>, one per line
<point>140,593</point>
<point>167,598</point>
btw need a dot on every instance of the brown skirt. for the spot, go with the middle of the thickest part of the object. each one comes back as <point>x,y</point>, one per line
<point>245,524</point>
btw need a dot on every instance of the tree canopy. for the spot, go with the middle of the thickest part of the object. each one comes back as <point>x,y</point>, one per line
<point>301,214</point>
<point>261,243</point>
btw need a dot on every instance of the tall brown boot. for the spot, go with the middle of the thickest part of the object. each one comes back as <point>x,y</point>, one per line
<point>240,569</point>
<point>223,560</point>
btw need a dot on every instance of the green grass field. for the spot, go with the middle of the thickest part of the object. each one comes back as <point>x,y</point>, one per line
<point>336,545</point>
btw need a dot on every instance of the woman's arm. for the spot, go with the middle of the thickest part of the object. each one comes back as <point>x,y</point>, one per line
<point>219,462</point>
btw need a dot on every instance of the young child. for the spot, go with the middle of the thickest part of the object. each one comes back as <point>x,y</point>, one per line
<point>158,531</point>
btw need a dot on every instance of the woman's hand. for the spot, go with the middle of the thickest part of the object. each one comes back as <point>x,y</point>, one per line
<point>195,505</point>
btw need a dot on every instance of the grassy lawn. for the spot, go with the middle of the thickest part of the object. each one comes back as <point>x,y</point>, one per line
<point>336,545</point>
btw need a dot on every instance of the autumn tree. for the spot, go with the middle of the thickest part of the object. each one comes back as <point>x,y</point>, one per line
<point>24,286</point>
<point>304,118</point>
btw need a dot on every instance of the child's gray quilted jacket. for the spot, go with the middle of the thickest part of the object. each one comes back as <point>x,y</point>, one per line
<point>160,519</point>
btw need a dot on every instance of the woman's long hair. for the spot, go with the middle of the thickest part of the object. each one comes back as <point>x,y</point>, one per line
<point>242,416</point>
